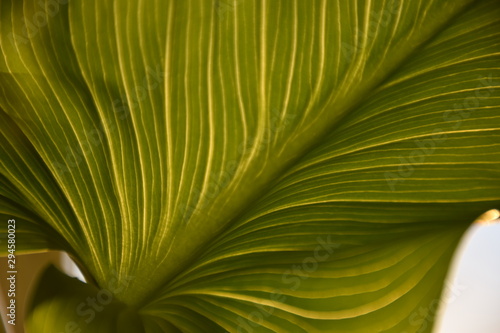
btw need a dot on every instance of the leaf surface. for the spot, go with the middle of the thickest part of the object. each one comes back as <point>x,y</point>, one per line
<point>258,166</point>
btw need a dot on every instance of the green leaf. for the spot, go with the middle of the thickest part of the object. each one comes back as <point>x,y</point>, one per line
<point>32,234</point>
<point>257,166</point>
<point>65,304</point>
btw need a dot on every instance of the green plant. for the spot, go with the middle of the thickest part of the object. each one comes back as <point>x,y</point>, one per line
<point>247,166</point>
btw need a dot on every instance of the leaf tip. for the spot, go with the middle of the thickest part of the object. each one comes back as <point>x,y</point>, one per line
<point>488,218</point>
